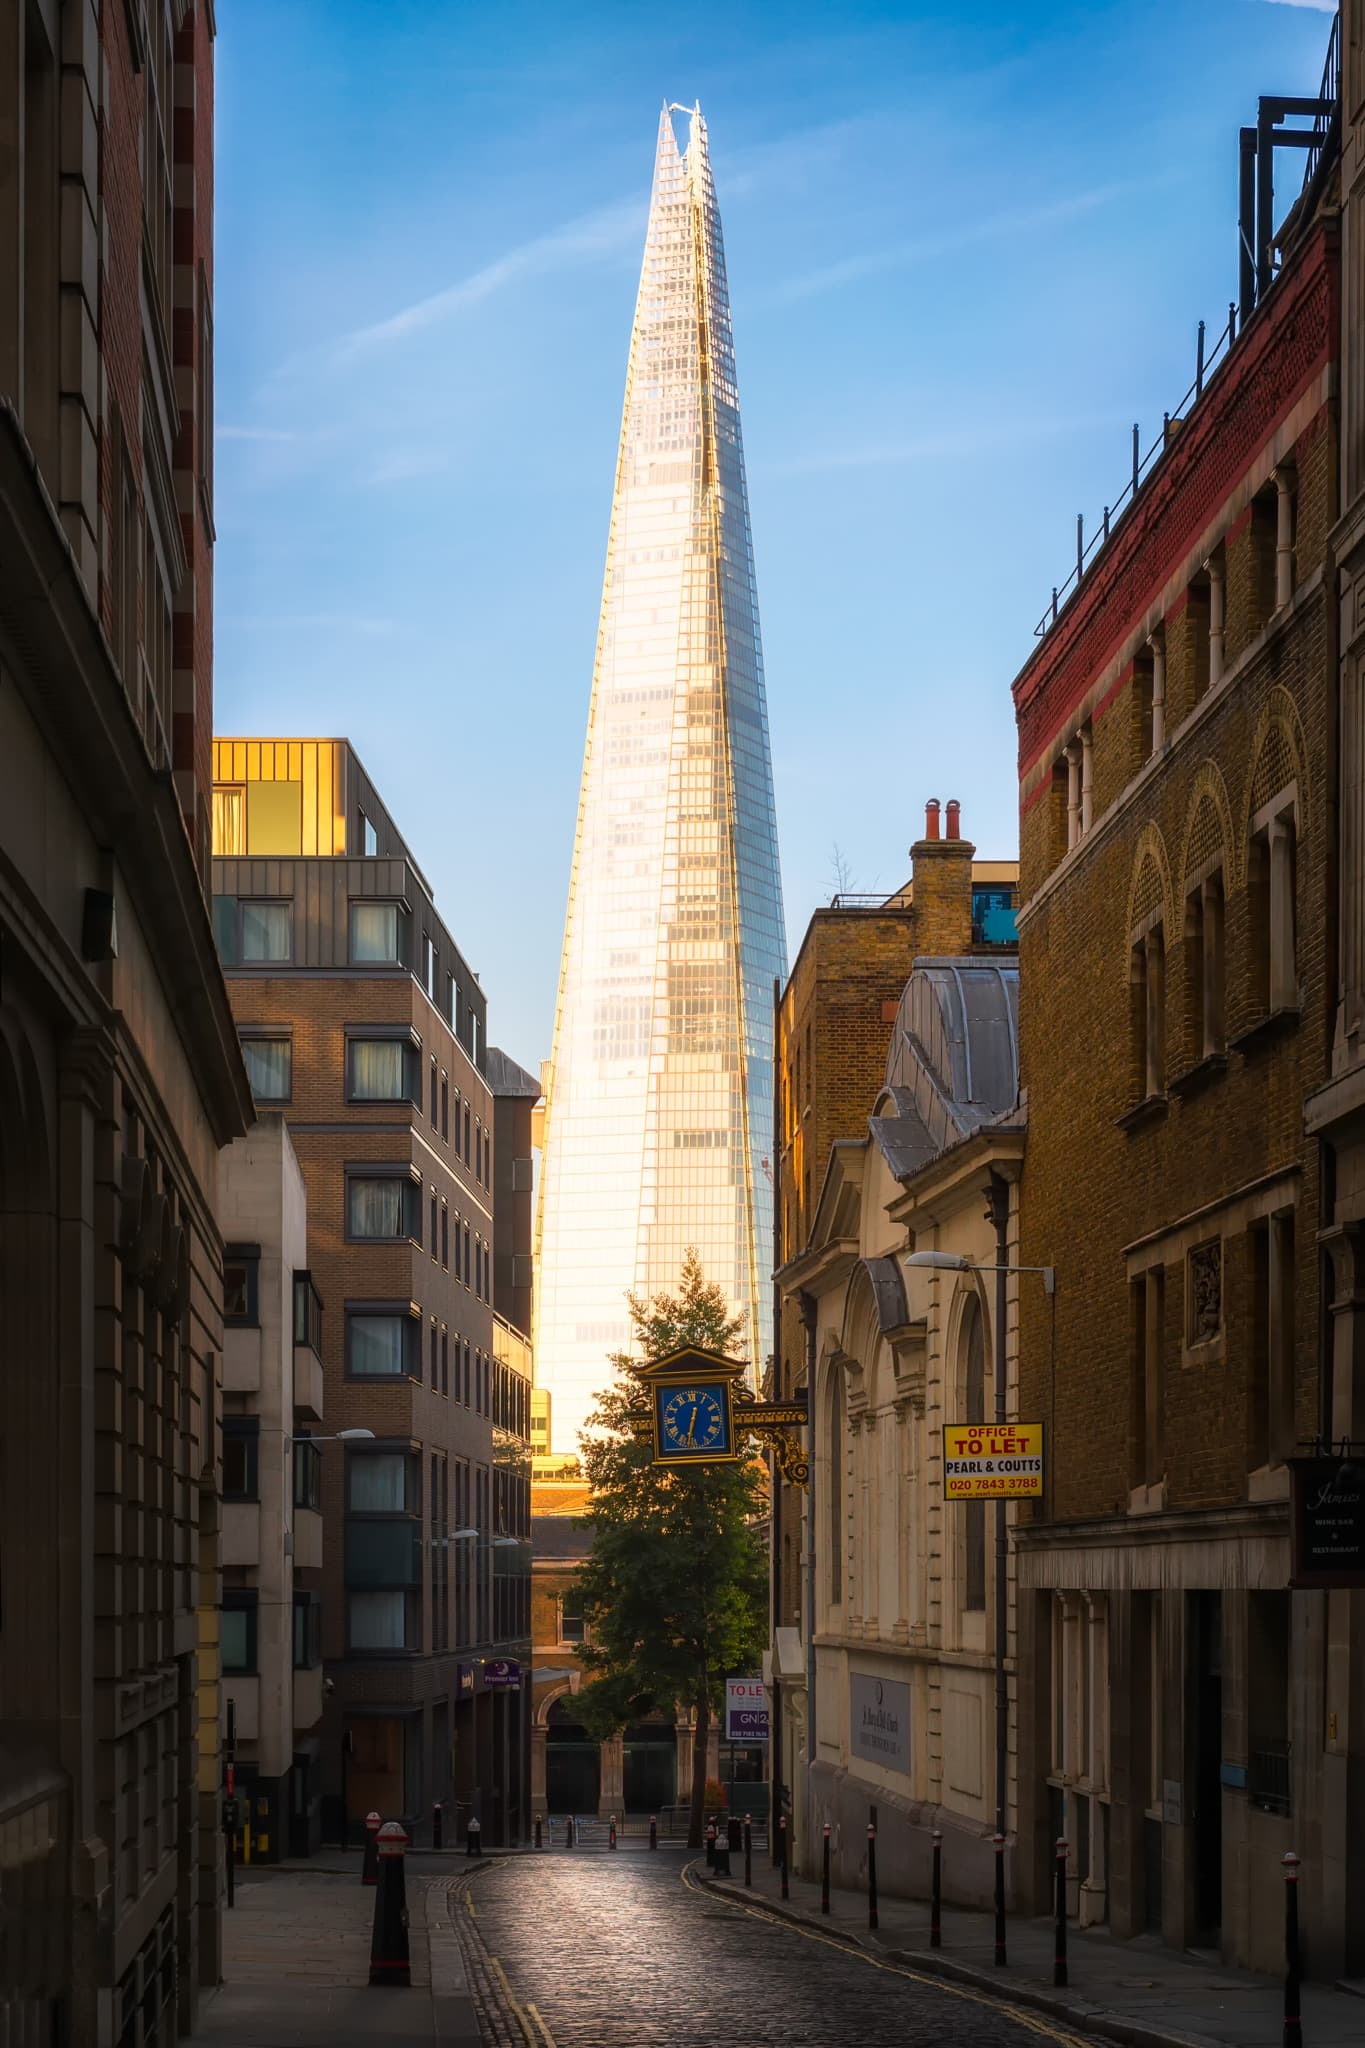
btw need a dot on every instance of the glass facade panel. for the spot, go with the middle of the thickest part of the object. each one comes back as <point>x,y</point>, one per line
<point>659,1110</point>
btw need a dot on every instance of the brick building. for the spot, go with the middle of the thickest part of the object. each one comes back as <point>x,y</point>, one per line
<point>1175,750</point>
<point>834,1027</point>
<point>120,1077</point>
<point>361,1020</point>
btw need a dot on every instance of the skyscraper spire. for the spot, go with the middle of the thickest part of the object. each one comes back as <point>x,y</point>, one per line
<point>659,1118</point>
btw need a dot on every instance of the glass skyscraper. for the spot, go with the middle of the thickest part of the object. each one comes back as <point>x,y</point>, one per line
<point>658,1131</point>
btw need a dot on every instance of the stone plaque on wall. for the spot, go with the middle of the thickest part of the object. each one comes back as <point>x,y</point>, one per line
<point>879,1721</point>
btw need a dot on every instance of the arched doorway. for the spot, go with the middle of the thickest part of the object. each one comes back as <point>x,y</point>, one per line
<point>572,1767</point>
<point>649,1766</point>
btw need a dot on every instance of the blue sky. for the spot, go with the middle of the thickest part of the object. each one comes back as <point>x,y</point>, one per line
<point>968,246</point>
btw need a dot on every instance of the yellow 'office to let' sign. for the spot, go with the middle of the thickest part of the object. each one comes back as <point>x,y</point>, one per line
<point>983,1462</point>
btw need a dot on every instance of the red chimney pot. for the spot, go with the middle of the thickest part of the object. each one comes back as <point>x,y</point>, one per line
<point>954,819</point>
<point>931,818</point>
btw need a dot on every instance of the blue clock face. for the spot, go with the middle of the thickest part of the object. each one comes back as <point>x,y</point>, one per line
<point>694,1421</point>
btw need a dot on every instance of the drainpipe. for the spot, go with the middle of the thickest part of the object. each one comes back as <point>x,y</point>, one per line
<point>808,1314</point>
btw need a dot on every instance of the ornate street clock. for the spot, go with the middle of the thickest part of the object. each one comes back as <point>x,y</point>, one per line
<point>695,1408</point>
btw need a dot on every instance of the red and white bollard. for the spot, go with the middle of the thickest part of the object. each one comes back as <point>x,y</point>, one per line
<point>389,1940</point>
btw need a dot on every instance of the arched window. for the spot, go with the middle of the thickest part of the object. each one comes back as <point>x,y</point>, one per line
<point>835,1509</point>
<point>973,1342</point>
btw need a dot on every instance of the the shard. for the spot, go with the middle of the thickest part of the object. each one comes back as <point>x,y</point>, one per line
<point>658,1132</point>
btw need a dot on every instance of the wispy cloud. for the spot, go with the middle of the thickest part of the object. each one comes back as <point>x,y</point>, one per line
<point>1316,6</point>
<point>592,235</point>
<point>984,438</point>
<point>227,432</point>
<point>996,227</point>
<point>310,622</point>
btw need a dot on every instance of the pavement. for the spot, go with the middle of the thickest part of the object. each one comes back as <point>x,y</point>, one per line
<point>1139,1992</point>
<point>296,1960</point>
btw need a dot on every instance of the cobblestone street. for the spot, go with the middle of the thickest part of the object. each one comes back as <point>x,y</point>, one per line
<point>624,1952</point>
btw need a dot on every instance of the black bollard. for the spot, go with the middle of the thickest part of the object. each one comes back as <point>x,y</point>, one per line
<point>369,1862</point>
<point>653,1831</point>
<point>748,1850</point>
<point>611,1833</point>
<point>936,1894</point>
<point>1059,1975</point>
<point>1000,1956</point>
<point>568,1832</point>
<point>871,1874</point>
<point>473,1844</point>
<point>438,1823</point>
<point>1293,2031</point>
<point>539,1843</point>
<point>230,1847</point>
<point>711,1844</point>
<point>824,1875</point>
<point>389,1941</point>
<point>782,1854</point>
<point>733,1833</point>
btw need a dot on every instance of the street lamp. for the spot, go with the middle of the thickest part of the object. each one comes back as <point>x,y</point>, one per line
<point>342,1436</point>
<point>997,1213</point>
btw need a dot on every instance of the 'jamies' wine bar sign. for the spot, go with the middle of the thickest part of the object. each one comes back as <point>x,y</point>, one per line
<point>1328,1501</point>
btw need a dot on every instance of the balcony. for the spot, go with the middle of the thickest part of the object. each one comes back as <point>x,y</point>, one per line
<point>242,1532</point>
<point>307,1315</point>
<point>307,1540</point>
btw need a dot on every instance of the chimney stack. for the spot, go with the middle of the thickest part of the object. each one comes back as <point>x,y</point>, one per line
<point>942,884</point>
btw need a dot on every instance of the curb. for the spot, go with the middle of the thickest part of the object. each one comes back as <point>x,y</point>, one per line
<point>1086,2018</point>
<point>454,2019</point>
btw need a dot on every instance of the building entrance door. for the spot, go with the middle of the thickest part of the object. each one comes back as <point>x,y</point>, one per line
<point>649,1755</point>
<point>1205,1665</point>
<point>572,1766</point>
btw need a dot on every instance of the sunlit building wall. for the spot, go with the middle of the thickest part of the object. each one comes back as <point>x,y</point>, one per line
<point>659,1108</point>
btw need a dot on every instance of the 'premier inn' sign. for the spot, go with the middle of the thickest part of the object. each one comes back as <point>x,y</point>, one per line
<point>879,1721</point>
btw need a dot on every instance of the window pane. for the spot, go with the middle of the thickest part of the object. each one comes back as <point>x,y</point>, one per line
<point>377,1621</point>
<point>374,931</point>
<point>236,1634</point>
<point>378,1069</point>
<point>229,822</point>
<point>269,1067</point>
<point>265,931</point>
<point>375,1207</point>
<point>376,1346</point>
<point>378,1482</point>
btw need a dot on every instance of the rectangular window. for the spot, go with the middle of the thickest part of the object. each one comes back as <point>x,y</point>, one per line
<point>570,1618</point>
<point>1270,1394</point>
<point>445,1361</point>
<point>1148,1295</point>
<point>429,965</point>
<point>266,932</point>
<point>369,838</point>
<point>467,1267</point>
<point>307,1313</point>
<point>269,1067</point>
<point>384,1552</point>
<point>307,1474</point>
<point>379,1345</point>
<point>433,1351</point>
<point>229,823</point>
<point>465,1376</point>
<point>381,1483</point>
<point>465,1153</point>
<point>432,1222</point>
<point>237,1623</point>
<point>445,1106</point>
<point>241,1269</point>
<point>383,1621</point>
<point>241,1440</point>
<point>1271,880</point>
<point>383,1206</point>
<point>380,1070</point>
<point>1148,1013</point>
<point>307,1631</point>
<point>374,934</point>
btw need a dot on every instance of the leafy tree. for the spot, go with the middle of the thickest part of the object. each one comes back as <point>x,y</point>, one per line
<point>675,1587</point>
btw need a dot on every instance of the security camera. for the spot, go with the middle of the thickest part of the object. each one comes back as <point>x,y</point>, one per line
<point>329,1686</point>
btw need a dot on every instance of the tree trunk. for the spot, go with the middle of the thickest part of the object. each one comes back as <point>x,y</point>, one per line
<point>701,1742</point>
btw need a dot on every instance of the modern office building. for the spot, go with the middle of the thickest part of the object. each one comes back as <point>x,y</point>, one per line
<point>361,1021</point>
<point>270,1639</point>
<point>659,1104</point>
<point>120,1077</point>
